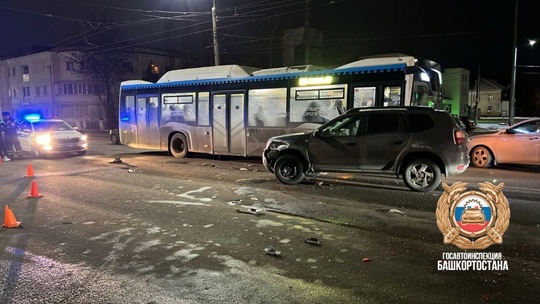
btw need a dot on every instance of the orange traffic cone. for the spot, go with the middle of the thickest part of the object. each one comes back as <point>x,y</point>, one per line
<point>9,219</point>
<point>29,171</point>
<point>34,191</point>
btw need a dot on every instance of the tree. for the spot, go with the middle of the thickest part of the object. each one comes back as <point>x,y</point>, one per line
<point>106,70</point>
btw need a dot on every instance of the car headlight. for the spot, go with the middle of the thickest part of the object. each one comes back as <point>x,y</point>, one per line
<point>44,139</point>
<point>84,137</point>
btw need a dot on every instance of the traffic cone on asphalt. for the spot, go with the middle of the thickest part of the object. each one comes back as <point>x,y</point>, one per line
<point>29,171</point>
<point>34,191</point>
<point>9,219</point>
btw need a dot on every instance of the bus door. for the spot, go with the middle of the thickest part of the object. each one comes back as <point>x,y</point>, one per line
<point>228,132</point>
<point>128,122</point>
<point>147,122</point>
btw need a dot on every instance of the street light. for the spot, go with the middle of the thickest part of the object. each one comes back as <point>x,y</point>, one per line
<point>513,85</point>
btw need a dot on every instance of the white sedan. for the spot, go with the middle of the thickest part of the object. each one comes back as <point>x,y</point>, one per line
<point>47,136</point>
<point>518,144</point>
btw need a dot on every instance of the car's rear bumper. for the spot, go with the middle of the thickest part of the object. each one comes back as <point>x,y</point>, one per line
<point>457,164</point>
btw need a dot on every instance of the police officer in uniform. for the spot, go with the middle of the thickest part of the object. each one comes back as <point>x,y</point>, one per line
<point>9,128</point>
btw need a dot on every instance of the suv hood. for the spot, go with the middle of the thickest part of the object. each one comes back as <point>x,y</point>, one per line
<point>292,136</point>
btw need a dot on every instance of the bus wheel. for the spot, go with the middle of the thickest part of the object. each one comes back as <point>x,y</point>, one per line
<point>178,145</point>
<point>289,169</point>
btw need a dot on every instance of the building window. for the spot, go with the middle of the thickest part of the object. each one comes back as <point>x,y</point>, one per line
<point>490,108</point>
<point>26,91</point>
<point>490,97</point>
<point>9,93</point>
<point>12,71</point>
<point>70,66</point>
<point>76,88</point>
<point>25,69</point>
<point>15,93</point>
<point>45,90</point>
<point>38,91</point>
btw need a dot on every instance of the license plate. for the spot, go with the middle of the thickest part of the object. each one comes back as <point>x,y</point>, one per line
<point>69,145</point>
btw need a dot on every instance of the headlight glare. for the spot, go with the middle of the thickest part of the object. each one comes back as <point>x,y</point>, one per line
<point>43,139</point>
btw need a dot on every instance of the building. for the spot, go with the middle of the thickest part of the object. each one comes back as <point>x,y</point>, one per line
<point>493,99</point>
<point>48,83</point>
<point>455,91</point>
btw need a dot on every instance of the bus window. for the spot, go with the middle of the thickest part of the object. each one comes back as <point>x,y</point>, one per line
<point>178,107</point>
<point>267,107</point>
<point>421,94</point>
<point>317,104</point>
<point>392,96</point>
<point>203,113</point>
<point>128,110</point>
<point>364,97</point>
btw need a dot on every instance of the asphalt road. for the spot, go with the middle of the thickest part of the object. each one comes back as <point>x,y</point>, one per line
<point>155,229</point>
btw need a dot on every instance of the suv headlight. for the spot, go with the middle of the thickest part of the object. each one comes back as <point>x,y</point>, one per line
<point>84,137</point>
<point>276,145</point>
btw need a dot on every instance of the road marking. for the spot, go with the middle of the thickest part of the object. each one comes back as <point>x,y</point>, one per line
<point>178,203</point>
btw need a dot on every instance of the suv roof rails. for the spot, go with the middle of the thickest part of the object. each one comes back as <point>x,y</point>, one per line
<point>426,108</point>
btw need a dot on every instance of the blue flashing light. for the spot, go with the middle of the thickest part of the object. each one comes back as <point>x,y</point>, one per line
<point>33,116</point>
<point>125,118</point>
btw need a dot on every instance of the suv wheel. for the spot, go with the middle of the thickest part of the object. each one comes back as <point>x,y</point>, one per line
<point>422,175</point>
<point>481,157</point>
<point>289,170</point>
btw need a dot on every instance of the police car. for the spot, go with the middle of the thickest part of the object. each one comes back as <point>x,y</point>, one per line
<point>40,137</point>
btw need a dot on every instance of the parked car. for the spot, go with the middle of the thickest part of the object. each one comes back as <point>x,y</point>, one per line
<point>465,123</point>
<point>469,125</point>
<point>114,136</point>
<point>419,144</point>
<point>517,144</point>
<point>51,136</point>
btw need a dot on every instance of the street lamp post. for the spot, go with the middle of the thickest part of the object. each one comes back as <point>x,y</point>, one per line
<point>513,85</point>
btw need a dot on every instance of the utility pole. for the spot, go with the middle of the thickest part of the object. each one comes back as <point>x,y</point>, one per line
<point>306,34</point>
<point>514,63</point>
<point>214,33</point>
<point>477,99</point>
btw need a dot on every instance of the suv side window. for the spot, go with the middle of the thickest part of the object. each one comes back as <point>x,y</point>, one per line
<point>381,124</point>
<point>347,126</point>
<point>420,122</point>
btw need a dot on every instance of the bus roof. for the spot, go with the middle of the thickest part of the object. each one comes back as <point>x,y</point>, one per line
<point>235,73</point>
<point>409,60</point>
<point>211,72</point>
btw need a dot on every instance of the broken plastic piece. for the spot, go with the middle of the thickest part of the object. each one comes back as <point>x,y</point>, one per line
<point>313,241</point>
<point>255,211</point>
<point>117,160</point>
<point>366,260</point>
<point>271,251</point>
<point>396,211</point>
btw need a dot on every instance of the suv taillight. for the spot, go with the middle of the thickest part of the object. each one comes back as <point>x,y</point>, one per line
<point>460,137</point>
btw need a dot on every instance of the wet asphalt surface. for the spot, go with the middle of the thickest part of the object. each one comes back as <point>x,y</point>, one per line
<point>154,229</point>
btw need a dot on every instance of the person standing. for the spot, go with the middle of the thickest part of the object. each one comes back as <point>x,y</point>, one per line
<point>11,139</point>
<point>3,150</point>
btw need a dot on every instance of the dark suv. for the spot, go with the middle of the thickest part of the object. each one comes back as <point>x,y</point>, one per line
<point>419,144</point>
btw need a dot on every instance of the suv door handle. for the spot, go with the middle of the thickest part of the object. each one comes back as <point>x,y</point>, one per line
<point>397,142</point>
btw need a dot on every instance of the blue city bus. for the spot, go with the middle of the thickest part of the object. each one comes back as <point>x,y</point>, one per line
<point>234,110</point>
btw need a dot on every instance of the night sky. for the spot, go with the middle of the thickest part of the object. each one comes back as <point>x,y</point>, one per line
<point>461,33</point>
